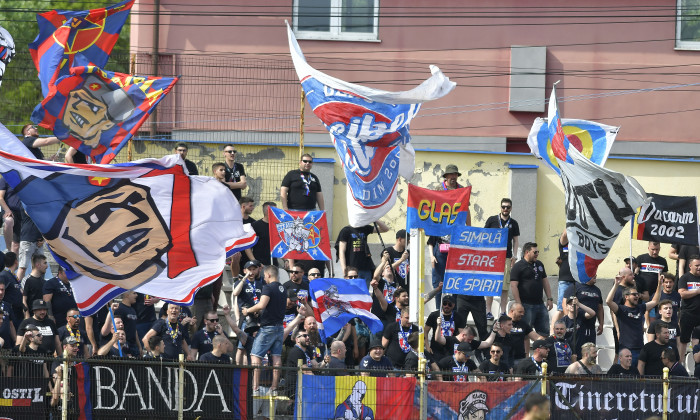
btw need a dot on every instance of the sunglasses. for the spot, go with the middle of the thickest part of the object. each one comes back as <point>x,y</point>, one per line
<point>448,304</point>
<point>295,272</point>
<point>75,316</point>
<point>506,207</point>
<point>213,320</point>
<point>353,277</point>
<point>496,351</point>
<point>307,161</point>
<point>229,151</point>
<point>537,252</point>
<point>314,274</point>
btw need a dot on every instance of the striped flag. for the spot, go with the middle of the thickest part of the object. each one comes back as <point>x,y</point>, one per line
<point>337,301</point>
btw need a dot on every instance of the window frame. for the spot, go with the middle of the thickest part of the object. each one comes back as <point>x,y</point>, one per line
<point>335,33</point>
<point>683,45</point>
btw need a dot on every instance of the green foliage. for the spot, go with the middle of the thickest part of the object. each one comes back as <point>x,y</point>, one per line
<point>20,91</point>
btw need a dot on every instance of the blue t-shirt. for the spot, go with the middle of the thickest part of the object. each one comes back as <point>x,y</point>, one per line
<point>273,314</point>
<point>210,358</point>
<point>172,334</point>
<point>202,341</point>
<point>383,364</point>
<point>62,299</point>
<point>251,292</point>
<point>13,290</point>
<point>631,323</point>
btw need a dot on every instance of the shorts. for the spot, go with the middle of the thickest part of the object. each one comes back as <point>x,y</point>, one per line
<point>26,251</point>
<point>269,338</point>
<point>248,343</point>
<point>506,276</point>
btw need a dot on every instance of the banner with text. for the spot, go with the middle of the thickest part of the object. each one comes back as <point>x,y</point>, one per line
<point>117,391</point>
<point>23,397</point>
<point>629,400</point>
<point>476,261</point>
<point>668,219</point>
<point>437,212</point>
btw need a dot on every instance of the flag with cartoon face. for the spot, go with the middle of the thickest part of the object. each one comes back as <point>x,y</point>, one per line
<point>65,33</point>
<point>299,235</point>
<point>98,111</point>
<point>130,227</point>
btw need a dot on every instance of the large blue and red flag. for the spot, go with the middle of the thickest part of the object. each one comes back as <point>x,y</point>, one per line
<point>98,111</point>
<point>144,225</point>
<point>299,235</point>
<point>550,138</point>
<point>476,261</point>
<point>64,33</point>
<point>369,128</point>
<point>337,301</point>
<point>437,212</point>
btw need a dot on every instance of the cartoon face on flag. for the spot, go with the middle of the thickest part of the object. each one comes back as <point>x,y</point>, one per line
<point>369,129</point>
<point>63,34</point>
<point>97,111</point>
<point>132,226</point>
<point>337,301</point>
<point>467,401</point>
<point>300,235</point>
<point>7,50</point>
<point>599,202</point>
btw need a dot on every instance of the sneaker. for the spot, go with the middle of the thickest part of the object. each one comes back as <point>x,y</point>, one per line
<point>489,316</point>
<point>256,392</point>
<point>504,314</point>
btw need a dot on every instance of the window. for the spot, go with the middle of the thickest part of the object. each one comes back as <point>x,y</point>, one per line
<point>347,20</point>
<point>688,25</point>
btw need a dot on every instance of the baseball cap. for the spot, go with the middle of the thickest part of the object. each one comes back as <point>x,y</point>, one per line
<point>251,263</point>
<point>39,304</point>
<point>70,340</point>
<point>465,348</point>
<point>540,344</point>
<point>292,294</point>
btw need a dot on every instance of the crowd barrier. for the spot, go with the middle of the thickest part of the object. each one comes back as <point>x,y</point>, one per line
<point>136,389</point>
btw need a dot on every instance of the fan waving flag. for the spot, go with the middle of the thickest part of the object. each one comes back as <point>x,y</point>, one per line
<point>97,111</point>
<point>337,301</point>
<point>63,34</point>
<point>299,235</point>
<point>599,202</point>
<point>369,129</point>
<point>550,138</point>
<point>143,226</point>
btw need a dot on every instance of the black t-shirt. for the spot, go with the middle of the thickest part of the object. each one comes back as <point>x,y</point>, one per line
<point>387,290</point>
<point>450,364</point>
<point>129,317</point>
<point>210,358</point>
<point>62,299</point>
<point>145,313</point>
<point>28,141</point>
<point>590,296</point>
<point>649,269</point>
<point>616,369</point>
<point>303,187</point>
<point>383,364</point>
<point>495,222</point>
<point>451,324</point>
<point>302,289</point>
<point>559,356</point>
<point>685,253</point>
<point>261,249</point>
<point>696,372</point>
<point>518,333</point>
<point>528,367</point>
<point>357,251</point>
<point>48,330</point>
<point>564,269</point>
<point>33,290</point>
<point>13,290</point>
<point>631,323</point>
<point>651,355</point>
<point>273,314</point>
<point>690,282</point>
<point>506,343</point>
<point>202,341</point>
<point>398,346</point>
<point>401,271</point>
<point>28,232</point>
<point>495,371</point>
<point>529,277</point>
<point>28,367</point>
<point>172,334</point>
<point>234,175</point>
<point>673,330</point>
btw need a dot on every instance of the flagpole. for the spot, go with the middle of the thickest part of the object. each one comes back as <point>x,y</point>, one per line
<point>301,123</point>
<point>421,322</point>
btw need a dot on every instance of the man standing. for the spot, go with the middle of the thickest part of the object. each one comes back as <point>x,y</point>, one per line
<point>395,339</point>
<point>450,178</point>
<point>528,279</point>
<point>29,345</point>
<point>446,319</point>
<point>353,249</point>
<point>34,285</point>
<point>500,221</point>
<point>587,365</point>
<point>665,311</point>
<point>521,333</point>
<point>174,334</point>
<point>203,339</point>
<point>625,365</point>
<point>587,294</point>
<point>72,329</point>
<point>128,314</point>
<point>181,149</point>
<point>31,244</point>
<point>493,366</point>
<point>235,173</point>
<point>32,141</point>
<point>669,358</point>
<point>577,314</point>
<point>9,202</point>
<point>298,353</point>
<point>651,265</point>
<point>271,334</point>
<point>47,328</point>
<point>630,316</point>
<point>689,289</point>
<point>298,283</point>
<point>667,293</point>
<point>649,363</point>
<point>58,294</point>
<point>398,257</point>
<point>301,189</point>
<point>392,311</point>
<point>13,290</point>
<point>247,292</point>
